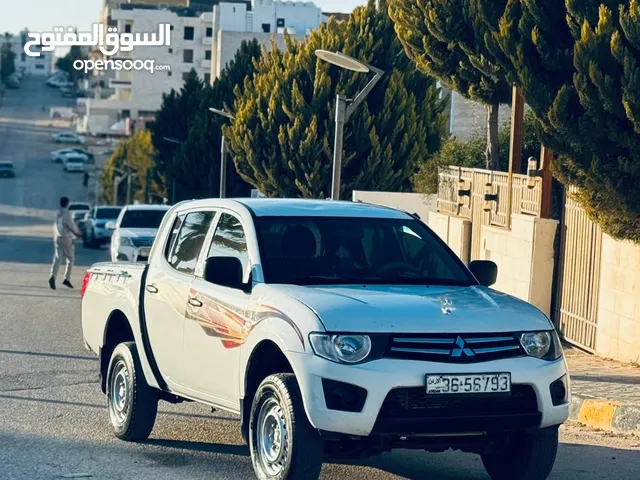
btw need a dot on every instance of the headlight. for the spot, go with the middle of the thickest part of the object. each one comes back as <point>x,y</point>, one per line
<point>544,345</point>
<point>341,348</point>
<point>125,242</point>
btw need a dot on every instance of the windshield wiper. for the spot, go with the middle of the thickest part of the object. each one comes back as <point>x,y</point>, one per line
<point>413,279</point>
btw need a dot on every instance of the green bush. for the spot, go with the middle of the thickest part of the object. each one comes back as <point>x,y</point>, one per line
<point>470,153</point>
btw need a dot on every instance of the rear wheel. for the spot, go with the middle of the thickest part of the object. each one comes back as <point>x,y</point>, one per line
<point>283,444</point>
<point>132,403</point>
<point>529,456</point>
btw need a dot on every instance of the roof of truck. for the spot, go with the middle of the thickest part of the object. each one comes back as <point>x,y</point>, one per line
<point>297,207</point>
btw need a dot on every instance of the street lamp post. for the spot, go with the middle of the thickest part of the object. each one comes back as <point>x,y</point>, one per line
<point>223,153</point>
<point>173,183</point>
<point>345,107</point>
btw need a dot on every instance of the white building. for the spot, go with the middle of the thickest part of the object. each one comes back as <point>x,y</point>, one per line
<point>204,37</point>
<point>138,93</point>
<point>29,65</point>
<point>234,22</point>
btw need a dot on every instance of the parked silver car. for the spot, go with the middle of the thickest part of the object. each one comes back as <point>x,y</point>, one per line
<point>95,232</point>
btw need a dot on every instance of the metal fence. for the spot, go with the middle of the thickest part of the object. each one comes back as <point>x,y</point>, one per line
<point>578,287</point>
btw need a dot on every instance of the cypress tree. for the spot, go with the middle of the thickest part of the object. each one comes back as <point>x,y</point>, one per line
<point>283,136</point>
<point>576,62</point>
<point>446,39</point>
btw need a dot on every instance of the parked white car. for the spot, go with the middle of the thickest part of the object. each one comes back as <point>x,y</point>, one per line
<point>74,162</point>
<point>332,329</point>
<point>135,231</point>
<point>58,156</point>
<point>68,137</point>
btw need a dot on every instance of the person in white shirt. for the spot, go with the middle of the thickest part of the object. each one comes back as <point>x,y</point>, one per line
<point>65,232</point>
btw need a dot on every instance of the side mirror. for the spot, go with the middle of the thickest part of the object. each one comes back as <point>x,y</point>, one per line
<point>485,271</point>
<point>225,271</point>
<point>110,226</point>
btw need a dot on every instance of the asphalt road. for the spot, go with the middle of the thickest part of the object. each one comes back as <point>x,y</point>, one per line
<point>53,421</point>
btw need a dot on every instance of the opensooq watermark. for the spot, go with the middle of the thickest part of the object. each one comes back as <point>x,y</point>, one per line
<point>109,43</point>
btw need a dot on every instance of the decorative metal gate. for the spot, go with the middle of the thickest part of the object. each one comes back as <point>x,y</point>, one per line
<point>579,281</point>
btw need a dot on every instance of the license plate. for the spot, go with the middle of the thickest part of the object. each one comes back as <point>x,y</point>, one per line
<point>472,383</point>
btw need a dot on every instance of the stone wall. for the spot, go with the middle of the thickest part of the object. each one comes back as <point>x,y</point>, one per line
<point>619,301</point>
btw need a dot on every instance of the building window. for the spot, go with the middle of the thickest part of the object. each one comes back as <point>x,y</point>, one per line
<point>125,113</point>
<point>209,32</point>
<point>24,57</point>
<point>185,76</point>
<point>127,29</point>
<point>39,67</point>
<point>168,74</point>
<point>188,56</point>
<point>266,27</point>
<point>207,54</point>
<point>172,28</point>
<point>280,23</point>
<point>207,78</point>
<point>188,33</point>
<point>171,50</point>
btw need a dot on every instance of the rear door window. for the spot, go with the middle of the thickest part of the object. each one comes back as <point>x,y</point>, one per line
<point>188,241</point>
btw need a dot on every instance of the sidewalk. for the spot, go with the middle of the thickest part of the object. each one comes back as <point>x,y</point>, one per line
<point>606,394</point>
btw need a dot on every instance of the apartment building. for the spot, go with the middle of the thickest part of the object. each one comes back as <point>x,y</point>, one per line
<point>40,66</point>
<point>235,22</point>
<point>205,36</point>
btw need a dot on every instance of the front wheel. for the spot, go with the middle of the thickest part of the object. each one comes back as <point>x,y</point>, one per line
<point>132,403</point>
<point>528,456</point>
<point>283,444</point>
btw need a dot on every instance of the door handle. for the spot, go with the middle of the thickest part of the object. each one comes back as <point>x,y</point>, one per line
<point>194,302</point>
<point>152,289</point>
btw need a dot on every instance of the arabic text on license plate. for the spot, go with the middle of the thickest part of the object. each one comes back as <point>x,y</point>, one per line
<point>472,383</point>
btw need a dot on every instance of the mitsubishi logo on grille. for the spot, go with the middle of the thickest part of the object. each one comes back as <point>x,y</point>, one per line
<point>462,350</point>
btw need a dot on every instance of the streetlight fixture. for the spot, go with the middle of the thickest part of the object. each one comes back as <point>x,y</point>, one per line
<point>223,153</point>
<point>345,107</point>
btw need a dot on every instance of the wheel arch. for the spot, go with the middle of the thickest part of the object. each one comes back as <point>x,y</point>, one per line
<point>117,330</point>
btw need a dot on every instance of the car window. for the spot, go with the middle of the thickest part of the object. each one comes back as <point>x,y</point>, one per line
<point>230,241</point>
<point>330,250</point>
<point>188,243</point>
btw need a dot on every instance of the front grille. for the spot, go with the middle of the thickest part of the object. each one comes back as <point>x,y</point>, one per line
<point>142,241</point>
<point>455,348</point>
<point>415,403</point>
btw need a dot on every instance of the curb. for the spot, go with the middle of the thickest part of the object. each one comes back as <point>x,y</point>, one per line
<point>607,415</point>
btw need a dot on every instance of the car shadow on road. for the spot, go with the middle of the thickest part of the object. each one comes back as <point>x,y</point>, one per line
<point>52,355</point>
<point>39,250</point>
<point>221,448</point>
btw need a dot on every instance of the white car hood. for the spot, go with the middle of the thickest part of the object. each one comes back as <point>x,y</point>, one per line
<point>417,309</point>
<point>138,232</point>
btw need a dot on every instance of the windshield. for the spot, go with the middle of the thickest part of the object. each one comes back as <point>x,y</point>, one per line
<point>142,218</point>
<point>6,165</point>
<point>334,251</point>
<point>107,213</point>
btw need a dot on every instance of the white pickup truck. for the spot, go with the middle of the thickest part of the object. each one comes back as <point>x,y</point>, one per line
<point>333,329</point>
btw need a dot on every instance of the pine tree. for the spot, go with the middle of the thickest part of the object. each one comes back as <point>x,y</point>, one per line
<point>282,139</point>
<point>190,165</point>
<point>446,39</point>
<point>576,62</point>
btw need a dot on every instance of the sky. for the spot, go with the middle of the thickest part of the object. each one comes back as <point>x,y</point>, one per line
<point>43,15</point>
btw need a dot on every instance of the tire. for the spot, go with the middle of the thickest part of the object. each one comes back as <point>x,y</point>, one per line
<point>133,413</point>
<point>277,407</point>
<point>529,456</point>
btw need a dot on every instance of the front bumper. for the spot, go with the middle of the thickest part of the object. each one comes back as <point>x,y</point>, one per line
<point>529,376</point>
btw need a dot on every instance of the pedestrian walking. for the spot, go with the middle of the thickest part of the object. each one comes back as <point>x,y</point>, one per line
<point>65,232</point>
